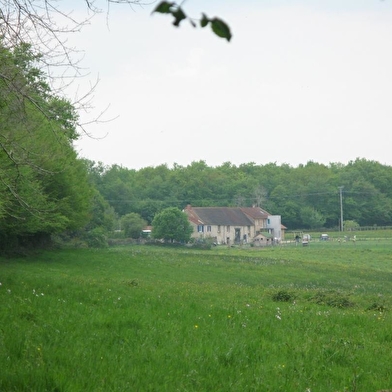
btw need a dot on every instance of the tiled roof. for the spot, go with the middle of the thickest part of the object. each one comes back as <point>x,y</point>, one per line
<point>220,216</point>
<point>255,212</point>
<point>192,216</point>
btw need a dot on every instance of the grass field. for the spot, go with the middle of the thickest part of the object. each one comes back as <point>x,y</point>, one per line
<point>144,318</point>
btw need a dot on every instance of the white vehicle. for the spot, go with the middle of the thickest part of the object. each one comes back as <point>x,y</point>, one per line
<point>305,239</point>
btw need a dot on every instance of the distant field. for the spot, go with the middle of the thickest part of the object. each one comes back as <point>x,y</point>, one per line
<point>364,235</point>
<point>141,318</point>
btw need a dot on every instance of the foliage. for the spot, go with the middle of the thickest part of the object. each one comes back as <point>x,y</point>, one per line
<point>332,298</point>
<point>103,214</point>
<point>132,224</point>
<point>306,196</point>
<point>350,225</point>
<point>171,224</point>
<point>311,217</point>
<point>43,184</point>
<point>283,296</point>
<point>218,26</point>
<point>96,238</point>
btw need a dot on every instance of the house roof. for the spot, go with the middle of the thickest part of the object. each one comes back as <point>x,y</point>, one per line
<point>218,216</point>
<point>255,212</point>
<point>192,216</point>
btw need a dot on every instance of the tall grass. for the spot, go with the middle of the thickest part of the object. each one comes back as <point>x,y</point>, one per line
<point>141,318</point>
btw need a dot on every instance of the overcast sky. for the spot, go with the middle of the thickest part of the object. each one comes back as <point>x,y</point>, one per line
<point>300,81</point>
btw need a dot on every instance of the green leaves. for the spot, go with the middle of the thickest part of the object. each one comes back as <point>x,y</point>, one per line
<point>43,185</point>
<point>204,20</point>
<point>171,224</point>
<point>218,26</point>
<point>164,7</point>
<point>178,16</point>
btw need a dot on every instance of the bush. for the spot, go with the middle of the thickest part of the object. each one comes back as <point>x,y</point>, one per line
<point>96,238</point>
<point>283,296</point>
<point>376,306</point>
<point>334,299</point>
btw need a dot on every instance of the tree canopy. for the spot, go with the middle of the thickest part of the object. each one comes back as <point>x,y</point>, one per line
<point>305,196</point>
<point>43,185</point>
<point>132,224</point>
<point>171,224</point>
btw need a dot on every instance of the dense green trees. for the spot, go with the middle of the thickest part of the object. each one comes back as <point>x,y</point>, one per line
<point>44,187</point>
<point>132,224</point>
<point>306,196</point>
<point>171,224</point>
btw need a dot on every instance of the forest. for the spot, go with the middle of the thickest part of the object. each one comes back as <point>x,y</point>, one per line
<point>48,191</point>
<point>307,196</point>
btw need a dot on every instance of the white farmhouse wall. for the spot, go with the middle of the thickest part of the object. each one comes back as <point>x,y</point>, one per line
<point>223,234</point>
<point>274,225</point>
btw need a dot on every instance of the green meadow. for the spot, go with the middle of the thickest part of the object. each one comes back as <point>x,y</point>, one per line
<point>153,318</point>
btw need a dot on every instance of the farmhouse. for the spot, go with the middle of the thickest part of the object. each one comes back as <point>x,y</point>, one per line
<point>235,225</point>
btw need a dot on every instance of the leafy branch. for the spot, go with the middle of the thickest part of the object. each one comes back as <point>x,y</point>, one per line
<point>218,26</point>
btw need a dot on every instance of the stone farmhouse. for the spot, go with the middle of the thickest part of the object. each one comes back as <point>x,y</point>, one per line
<point>235,225</point>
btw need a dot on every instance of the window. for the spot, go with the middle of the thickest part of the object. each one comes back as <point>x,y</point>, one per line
<point>200,228</point>
<point>208,229</point>
<point>228,228</point>
<point>218,228</point>
<point>268,221</point>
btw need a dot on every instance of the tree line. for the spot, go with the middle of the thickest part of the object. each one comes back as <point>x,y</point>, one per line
<point>306,196</point>
<point>44,187</point>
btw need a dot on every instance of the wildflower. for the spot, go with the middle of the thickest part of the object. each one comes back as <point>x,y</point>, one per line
<point>229,316</point>
<point>196,326</point>
<point>119,298</point>
<point>9,291</point>
<point>278,317</point>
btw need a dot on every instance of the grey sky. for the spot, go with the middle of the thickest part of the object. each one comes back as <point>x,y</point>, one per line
<point>298,82</point>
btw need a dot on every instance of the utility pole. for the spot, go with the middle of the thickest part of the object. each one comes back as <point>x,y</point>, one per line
<point>341,207</point>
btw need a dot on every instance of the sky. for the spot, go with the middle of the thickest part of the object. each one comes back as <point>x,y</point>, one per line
<point>300,81</point>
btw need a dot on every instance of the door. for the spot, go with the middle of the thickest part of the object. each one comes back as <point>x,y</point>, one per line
<point>237,238</point>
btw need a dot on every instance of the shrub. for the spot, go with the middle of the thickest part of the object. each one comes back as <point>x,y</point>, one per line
<point>332,298</point>
<point>283,296</point>
<point>96,238</point>
<point>376,306</point>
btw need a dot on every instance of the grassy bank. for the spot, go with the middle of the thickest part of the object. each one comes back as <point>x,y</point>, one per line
<point>139,318</point>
